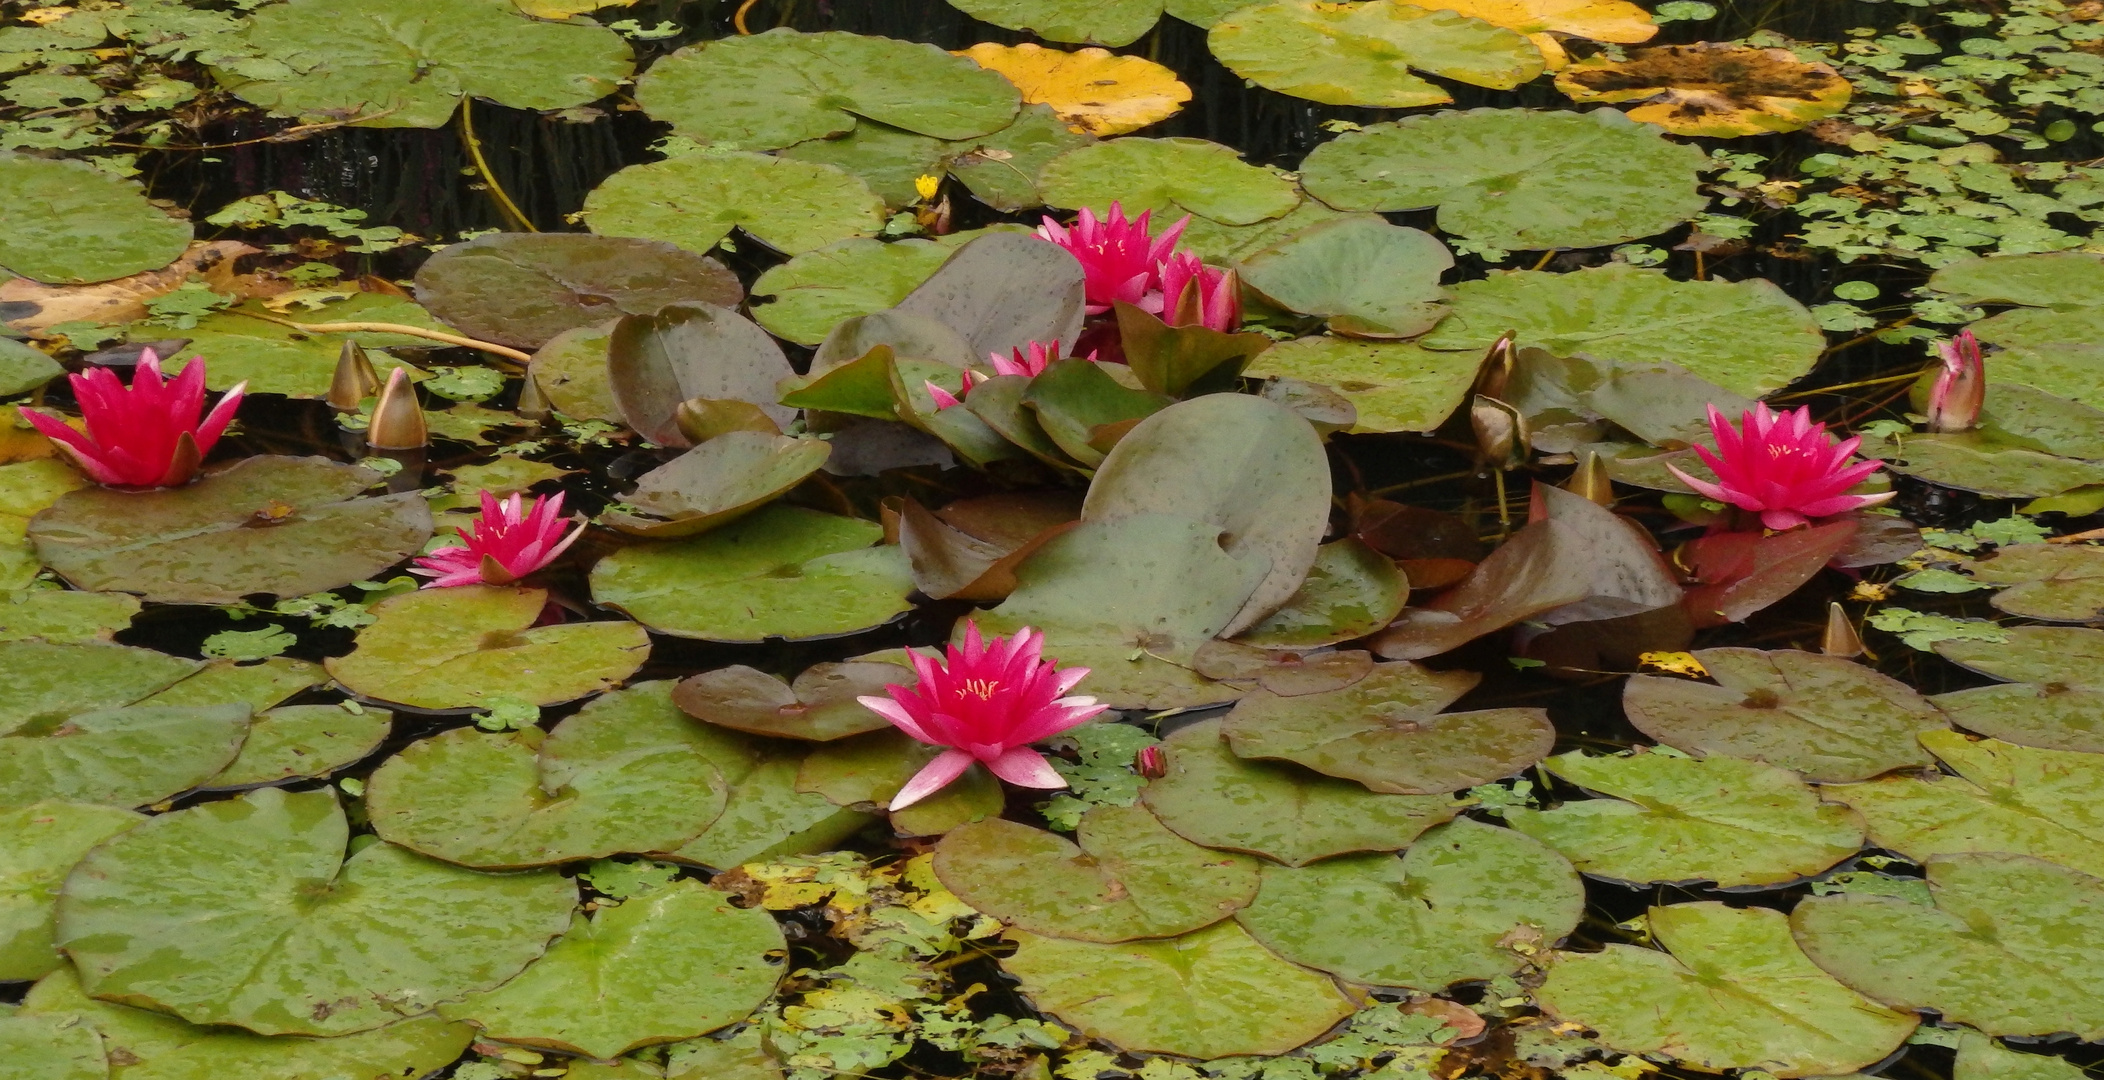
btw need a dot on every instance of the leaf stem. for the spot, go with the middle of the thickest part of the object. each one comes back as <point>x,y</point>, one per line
<point>489,179</point>
<point>490,347</point>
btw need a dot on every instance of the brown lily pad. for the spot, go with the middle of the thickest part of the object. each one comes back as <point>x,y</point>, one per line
<point>818,706</point>
<point>1712,88</point>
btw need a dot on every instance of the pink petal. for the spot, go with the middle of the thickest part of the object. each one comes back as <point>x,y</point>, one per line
<point>1025,767</point>
<point>933,777</point>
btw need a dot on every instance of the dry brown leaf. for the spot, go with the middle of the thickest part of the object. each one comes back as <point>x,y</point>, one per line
<point>123,300</point>
<point>1714,88</point>
<point>1093,91</point>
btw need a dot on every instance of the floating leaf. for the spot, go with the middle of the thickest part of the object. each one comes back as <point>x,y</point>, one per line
<point>1362,54</point>
<point>39,843</point>
<point>383,64</point>
<point>259,686</point>
<point>67,222</point>
<point>1438,915</point>
<point>688,351</point>
<point>1713,88</point>
<point>1735,992</point>
<point>65,615</point>
<point>1001,169</point>
<point>695,200</point>
<point>1973,461</point>
<point>1981,1058</point>
<point>2005,949</point>
<point>2066,656</point>
<point>1739,573</point>
<point>1395,386</point>
<point>1090,90</point>
<point>1350,592</point>
<point>23,368</point>
<point>1071,405</point>
<point>1170,177</point>
<point>970,549</point>
<point>42,683</point>
<point>1209,994</point>
<point>1827,717</point>
<point>2048,715</point>
<point>818,290</point>
<point>130,756</point>
<point>889,160</point>
<point>2050,582</point>
<point>768,817</point>
<point>1541,20</point>
<point>45,1049</point>
<point>1183,361</point>
<point>1369,278</point>
<point>523,289</point>
<point>571,370</point>
<point>304,740</point>
<point>1001,291</point>
<point>1123,877</point>
<point>782,571</point>
<point>864,772</point>
<point>1386,731</point>
<point>25,488</point>
<point>819,706</point>
<point>276,359</point>
<point>1514,178</point>
<point>473,645</point>
<point>717,482</point>
<point>1296,816</point>
<point>214,913</point>
<point>1670,818</point>
<point>1117,22</point>
<point>671,964</point>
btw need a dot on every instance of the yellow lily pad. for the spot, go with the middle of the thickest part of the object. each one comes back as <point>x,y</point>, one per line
<point>1092,91</point>
<point>1541,20</point>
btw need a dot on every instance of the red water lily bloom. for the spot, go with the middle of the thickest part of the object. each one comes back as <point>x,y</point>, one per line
<point>1118,257</point>
<point>946,400</point>
<point>1028,365</point>
<point>1218,294</point>
<point>147,436</point>
<point>1961,387</point>
<point>1783,467</point>
<point>986,702</point>
<point>502,545</point>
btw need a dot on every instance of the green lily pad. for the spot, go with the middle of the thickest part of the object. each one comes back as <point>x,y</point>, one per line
<point>40,1048</point>
<point>1981,1058</point>
<point>2007,949</point>
<point>276,359</point>
<point>819,706</point>
<point>1132,599</point>
<point>2062,280</point>
<point>1366,276</point>
<point>1971,461</point>
<point>161,1047</point>
<point>738,1059</point>
<point>674,963</point>
<point>66,615</point>
<point>571,371</point>
<point>684,351</point>
<point>2048,582</point>
<point>67,223</point>
<point>717,482</point>
<point>131,756</point>
<point>472,645</point>
<point>781,571</point>
<point>283,525</point>
<point>1734,992</point>
<point>257,685</point>
<point>39,844</point>
<point>25,488</point>
<point>782,87</point>
<point>1170,177</point>
<point>695,200</point>
<point>2016,799</point>
<point>1436,916</point>
<point>523,289</point>
<point>818,290</point>
<point>1212,797</point>
<point>1116,22</point>
<point>1252,467</point>
<point>867,770</point>
<point>1746,336</point>
<point>2046,715</point>
<point>1362,54</point>
<point>1386,732</point>
<point>1124,876</point>
<point>1826,717</point>
<point>1395,385</point>
<point>304,740</point>
<point>1350,592</point>
<point>1001,291</point>
<point>23,368</point>
<point>1001,169</point>
<point>43,683</point>
<point>1672,818</point>
<point>1209,994</point>
<point>768,817</point>
<point>2067,656</point>
<point>391,65</point>
<point>246,912</point>
<point>2015,415</point>
<point>1518,178</point>
<point>887,159</point>
<point>1073,403</point>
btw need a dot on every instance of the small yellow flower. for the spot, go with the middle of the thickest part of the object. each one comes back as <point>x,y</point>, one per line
<point>927,186</point>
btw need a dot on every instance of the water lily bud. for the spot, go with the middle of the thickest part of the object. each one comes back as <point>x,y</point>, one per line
<point>355,379</point>
<point>1151,763</point>
<point>1961,387</point>
<point>1590,481</point>
<point>1840,638</point>
<point>1496,370</point>
<point>533,401</point>
<point>1501,432</point>
<point>398,421</point>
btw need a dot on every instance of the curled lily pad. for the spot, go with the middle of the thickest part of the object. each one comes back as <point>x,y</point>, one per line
<point>1711,88</point>
<point>473,645</point>
<point>1183,361</point>
<point>1393,385</point>
<point>684,351</point>
<point>1212,797</point>
<point>1124,876</point>
<point>2048,715</point>
<point>42,683</point>
<point>695,200</point>
<point>819,706</point>
<point>39,843</point>
<point>1516,178</point>
<point>304,740</point>
<point>719,481</point>
<point>1438,915</point>
<point>1672,818</point>
<point>132,756</point>
<point>1824,716</point>
<point>1209,994</point>
<point>1734,992</point>
<point>1075,406</point>
<point>1170,177</point>
<point>571,370</point>
<point>1001,291</point>
<point>1369,278</point>
<point>969,549</point>
<point>1362,54</point>
<point>782,87</point>
<point>215,913</point>
<point>67,222</point>
<point>283,525</point>
<point>1350,592</point>
<point>781,571</point>
<point>524,289</point>
<point>676,962</point>
<point>2006,949</point>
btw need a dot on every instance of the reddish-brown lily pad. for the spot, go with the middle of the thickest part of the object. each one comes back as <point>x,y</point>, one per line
<point>818,706</point>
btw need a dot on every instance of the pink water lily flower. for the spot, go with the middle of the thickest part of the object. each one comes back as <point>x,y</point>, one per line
<point>986,702</point>
<point>1118,257</point>
<point>1782,466</point>
<point>946,400</point>
<point>1216,303</point>
<point>147,436</point>
<point>1961,387</point>
<point>505,543</point>
<point>1028,365</point>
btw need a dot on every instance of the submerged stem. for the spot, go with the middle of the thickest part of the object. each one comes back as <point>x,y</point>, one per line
<point>404,329</point>
<point>489,179</point>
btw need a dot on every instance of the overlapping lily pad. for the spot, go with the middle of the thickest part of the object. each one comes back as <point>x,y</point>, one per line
<point>1514,178</point>
<point>1981,1058</point>
<point>1672,818</point>
<point>782,571</point>
<point>1712,88</point>
<point>304,740</point>
<point>1170,177</point>
<point>284,525</point>
<point>259,685</point>
<point>1974,461</point>
<point>246,912</point>
<point>1001,169</point>
<point>2049,715</point>
<point>1395,386</point>
<point>131,756</point>
<point>1212,797</point>
<point>46,1049</point>
<point>42,683</point>
<point>1001,291</point>
<point>1115,22</point>
<point>273,358</point>
<point>66,222</point>
<point>2006,949</point>
<point>2050,582</point>
<point>717,482</point>
<point>473,645</point>
<point>864,772</point>
<point>1440,914</point>
<point>1212,993</point>
<point>685,351</point>
<point>817,290</point>
<point>524,289</point>
<point>818,706</point>
<point>1734,992</point>
<point>1369,278</point>
<point>1828,718</point>
<point>1362,54</point>
<point>39,843</point>
<point>65,615</point>
<point>2067,656</point>
<point>1350,592</point>
<point>571,371</point>
<point>695,200</point>
<point>678,962</point>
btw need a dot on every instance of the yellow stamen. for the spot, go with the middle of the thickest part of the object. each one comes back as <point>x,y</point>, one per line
<point>983,689</point>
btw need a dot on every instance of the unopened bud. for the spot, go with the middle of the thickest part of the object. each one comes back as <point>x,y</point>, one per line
<point>1589,481</point>
<point>398,421</point>
<point>1151,763</point>
<point>354,381</point>
<point>1501,432</point>
<point>1840,638</point>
